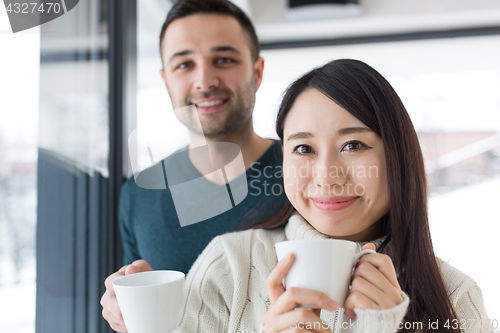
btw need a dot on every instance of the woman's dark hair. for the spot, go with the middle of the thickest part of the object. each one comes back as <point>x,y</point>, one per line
<point>364,93</point>
<point>184,8</point>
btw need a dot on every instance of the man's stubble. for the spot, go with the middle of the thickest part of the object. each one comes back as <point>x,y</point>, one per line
<point>240,113</point>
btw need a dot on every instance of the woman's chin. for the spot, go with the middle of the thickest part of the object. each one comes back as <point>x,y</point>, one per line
<point>332,227</point>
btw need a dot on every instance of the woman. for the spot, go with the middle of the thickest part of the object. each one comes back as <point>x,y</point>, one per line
<point>353,169</point>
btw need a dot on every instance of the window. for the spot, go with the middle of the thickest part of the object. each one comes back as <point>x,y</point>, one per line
<point>19,85</point>
<point>63,95</point>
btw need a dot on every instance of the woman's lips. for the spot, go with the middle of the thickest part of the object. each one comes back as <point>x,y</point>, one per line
<point>333,204</point>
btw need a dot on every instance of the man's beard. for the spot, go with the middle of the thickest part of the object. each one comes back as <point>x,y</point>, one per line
<point>238,115</point>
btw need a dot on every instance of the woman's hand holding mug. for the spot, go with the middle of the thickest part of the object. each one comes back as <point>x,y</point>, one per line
<point>282,314</point>
<point>374,284</point>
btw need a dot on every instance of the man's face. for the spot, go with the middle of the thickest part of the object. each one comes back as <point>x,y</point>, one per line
<point>207,62</point>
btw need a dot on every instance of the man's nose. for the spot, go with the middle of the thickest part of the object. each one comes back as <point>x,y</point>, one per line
<point>206,78</point>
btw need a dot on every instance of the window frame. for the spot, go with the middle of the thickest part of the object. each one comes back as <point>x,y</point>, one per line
<point>82,210</point>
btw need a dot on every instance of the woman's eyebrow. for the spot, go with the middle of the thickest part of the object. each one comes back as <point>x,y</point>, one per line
<point>299,135</point>
<point>350,130</point>
<point>342,131</point>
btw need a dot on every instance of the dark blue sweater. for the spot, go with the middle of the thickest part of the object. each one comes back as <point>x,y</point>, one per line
<point>151,230</point>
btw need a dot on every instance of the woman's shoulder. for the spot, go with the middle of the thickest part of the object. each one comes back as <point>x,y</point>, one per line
<point>457,282</point>
<point>465,296</point>
<point>242,252</point>
<point>251,238</point>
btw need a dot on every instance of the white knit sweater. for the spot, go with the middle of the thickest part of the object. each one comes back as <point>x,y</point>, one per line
<point>225,290</point>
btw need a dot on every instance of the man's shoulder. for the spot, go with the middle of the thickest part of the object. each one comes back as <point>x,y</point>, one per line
<point>151,178</point>
<point>272,156</point>
<point>129,186</point>
<point>274,153</point>
<point>154,177</point>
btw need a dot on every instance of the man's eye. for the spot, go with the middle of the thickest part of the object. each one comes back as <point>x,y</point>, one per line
<point>353,145</point>
<point>184,65</point>
<point>224,61</point>
<point>302,150</point>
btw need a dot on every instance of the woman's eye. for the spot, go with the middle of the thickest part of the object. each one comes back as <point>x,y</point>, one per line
<point>302,150</point>
<point>353,145</point>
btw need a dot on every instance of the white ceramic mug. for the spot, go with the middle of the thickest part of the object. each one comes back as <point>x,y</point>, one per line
<point>150,301</point>
<point>324,265</point>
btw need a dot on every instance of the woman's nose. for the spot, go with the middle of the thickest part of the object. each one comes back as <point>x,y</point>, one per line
<point>329,172</point>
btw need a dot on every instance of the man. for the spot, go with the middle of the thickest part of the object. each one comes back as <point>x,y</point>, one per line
<point>210,56</point>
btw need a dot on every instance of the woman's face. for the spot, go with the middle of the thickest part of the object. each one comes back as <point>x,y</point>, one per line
<point>334,169</point>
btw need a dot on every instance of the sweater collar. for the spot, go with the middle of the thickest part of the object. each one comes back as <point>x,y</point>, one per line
<point>298,228</point>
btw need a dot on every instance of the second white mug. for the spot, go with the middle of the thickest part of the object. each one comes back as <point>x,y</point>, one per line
<point>150,301</point>
<point>324,265</point>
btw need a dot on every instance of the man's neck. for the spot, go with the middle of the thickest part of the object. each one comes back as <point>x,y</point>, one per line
<point>251,145</point>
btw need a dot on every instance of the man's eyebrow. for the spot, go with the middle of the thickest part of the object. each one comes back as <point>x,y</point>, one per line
<point>299,135</point>
<point>216,49</point>
<point>180,54</point>
<point>349,130</point>
<point>224,48</point>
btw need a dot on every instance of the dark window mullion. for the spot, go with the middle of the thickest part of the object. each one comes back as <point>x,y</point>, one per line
<point>97,205</point>
<point>122,91</point>
<point>81,262</point>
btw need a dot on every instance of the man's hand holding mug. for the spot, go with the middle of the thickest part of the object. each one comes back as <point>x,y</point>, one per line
<point>111,310</point>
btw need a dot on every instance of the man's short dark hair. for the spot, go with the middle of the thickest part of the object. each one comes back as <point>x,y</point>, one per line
<point>184,8</point>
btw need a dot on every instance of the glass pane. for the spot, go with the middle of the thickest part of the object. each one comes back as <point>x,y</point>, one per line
<point>19,89</point>
<point>73,146</point>
<point>74,89</point>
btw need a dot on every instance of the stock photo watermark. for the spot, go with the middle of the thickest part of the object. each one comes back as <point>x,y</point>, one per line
<point>296,176</point>
<point>462,324</point>
<point>28,14</point>
<point>205,178</point>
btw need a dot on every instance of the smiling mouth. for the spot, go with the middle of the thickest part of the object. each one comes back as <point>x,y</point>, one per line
<point>208,104</point>
<point>333,205</point>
